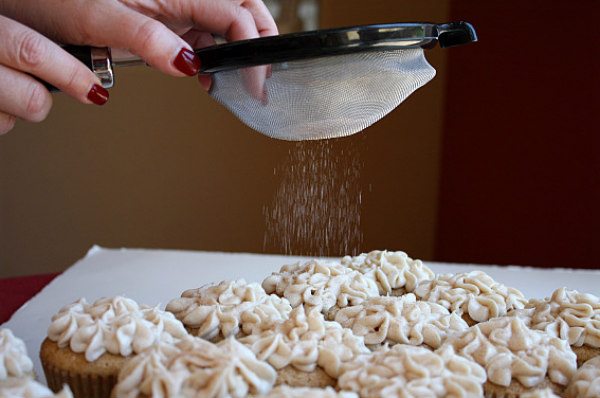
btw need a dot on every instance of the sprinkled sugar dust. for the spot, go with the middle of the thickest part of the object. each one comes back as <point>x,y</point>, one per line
<point>316,211</point>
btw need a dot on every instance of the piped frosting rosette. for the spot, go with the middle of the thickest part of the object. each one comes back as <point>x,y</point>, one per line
<point>475,295</point>
<point>14,387</point>
<point>404,320</point>
<point>567,314</point>
<point>228,308</point>
<point>116,325</point>
<point>509,350</point>
<point>586,381</point>
<point>326,286</point>
<point>394,272</point>
<point>306,340</point>
<point>543,393</point>
<point>307,392</point>
<point>409,371</point>
<point>194,367</point>
<point>14,361</point>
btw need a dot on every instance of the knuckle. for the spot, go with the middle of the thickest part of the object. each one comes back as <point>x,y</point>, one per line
<point>7,123</point>
<point>149,33</point>
<point>31,50</point>
<point>37,106</point>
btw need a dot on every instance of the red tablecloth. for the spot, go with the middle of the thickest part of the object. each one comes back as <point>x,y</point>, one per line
<point>14,292</point>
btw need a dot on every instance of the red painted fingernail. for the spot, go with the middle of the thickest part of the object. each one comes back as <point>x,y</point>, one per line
<point>98,95</point>
<point>187,62</point>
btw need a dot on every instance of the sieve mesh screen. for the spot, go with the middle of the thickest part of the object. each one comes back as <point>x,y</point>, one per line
<point>325,97</point>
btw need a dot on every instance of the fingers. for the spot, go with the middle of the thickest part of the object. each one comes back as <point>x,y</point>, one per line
<point>262,17</point>
<point>198,39</point>
<point>7,122</point>
<point>23,96</point>
<point>116,25</point>
<point>27,51</point>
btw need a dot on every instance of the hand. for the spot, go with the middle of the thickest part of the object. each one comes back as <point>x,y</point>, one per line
<point>150,29</point>
<point>158,31</point>
<point>25,53</point>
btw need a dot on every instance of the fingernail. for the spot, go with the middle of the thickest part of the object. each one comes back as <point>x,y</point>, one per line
<point>98,95</point>
<point>205,81</point>
<point>187,62</point>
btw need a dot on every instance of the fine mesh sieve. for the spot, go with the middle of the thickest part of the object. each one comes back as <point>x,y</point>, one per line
<point>328,83</point>
<point>322,84</point>
<point>324,97</point>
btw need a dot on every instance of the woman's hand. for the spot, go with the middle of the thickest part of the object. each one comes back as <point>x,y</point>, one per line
<point>25,53</point>
<point>161,32</point>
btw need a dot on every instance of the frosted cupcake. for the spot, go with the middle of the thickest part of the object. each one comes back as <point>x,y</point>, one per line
<point>229,308</point>
<point>400,320</point>
<point>327,286</point>
<point>307,392</point>
<point>517,359</point>
<point>306,349</point>
<point>569,315</point>
<point>586,381</point>
<point>408,371</point>
<point>13,387</point>
<point>88,343</point>
<point>474,295</point>
<point>14,361</point>
<point>194,367</point>
<point>394,272</point>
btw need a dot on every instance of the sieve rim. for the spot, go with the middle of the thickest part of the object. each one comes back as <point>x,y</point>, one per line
<point>331,42</point>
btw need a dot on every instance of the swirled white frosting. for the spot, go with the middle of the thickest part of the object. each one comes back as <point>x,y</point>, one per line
<point>227,308</point>
<point>116,325</point>
<point>567,314</point>
<point>509,350</point>
<point>321,285</point>
<point>474,293</point>
<point>409,371</point>
<point>401,320</point>
<point>545,393</point>
<point>307,392</point>
<point>586,381</point>
<point>14,361</point>
<point>194,367</point>
<point>306,341</point>
<point>28,388</point>
<point>390,270</point>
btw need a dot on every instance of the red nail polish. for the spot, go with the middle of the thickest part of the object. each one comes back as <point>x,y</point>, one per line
<point>187,62</point>
<point>98,95</point>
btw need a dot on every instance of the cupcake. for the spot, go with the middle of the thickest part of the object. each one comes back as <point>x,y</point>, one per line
<point>14,361</point>
<point>569,315</point>
<point>586,381</point>
<point>409,371</point>
<point>474,295</point>
<point>229,308</point>
<point>327,286</point>
<point>307,392</point>
<point>306,350</point>
<point>15,387</point>
<point>400,320</point>
<point>87,344</point>
<point>194,367</point>
<point>517,360</point>
<point>394,272</point>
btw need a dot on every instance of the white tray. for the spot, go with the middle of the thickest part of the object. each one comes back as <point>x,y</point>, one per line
<point>157,276</point>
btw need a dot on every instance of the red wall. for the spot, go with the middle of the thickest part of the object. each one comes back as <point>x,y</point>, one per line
<point>520,178</point>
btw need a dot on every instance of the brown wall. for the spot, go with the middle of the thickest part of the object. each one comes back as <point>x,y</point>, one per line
<point>163,166</point>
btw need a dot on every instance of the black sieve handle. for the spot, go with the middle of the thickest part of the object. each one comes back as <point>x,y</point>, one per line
<point>455,34</point>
